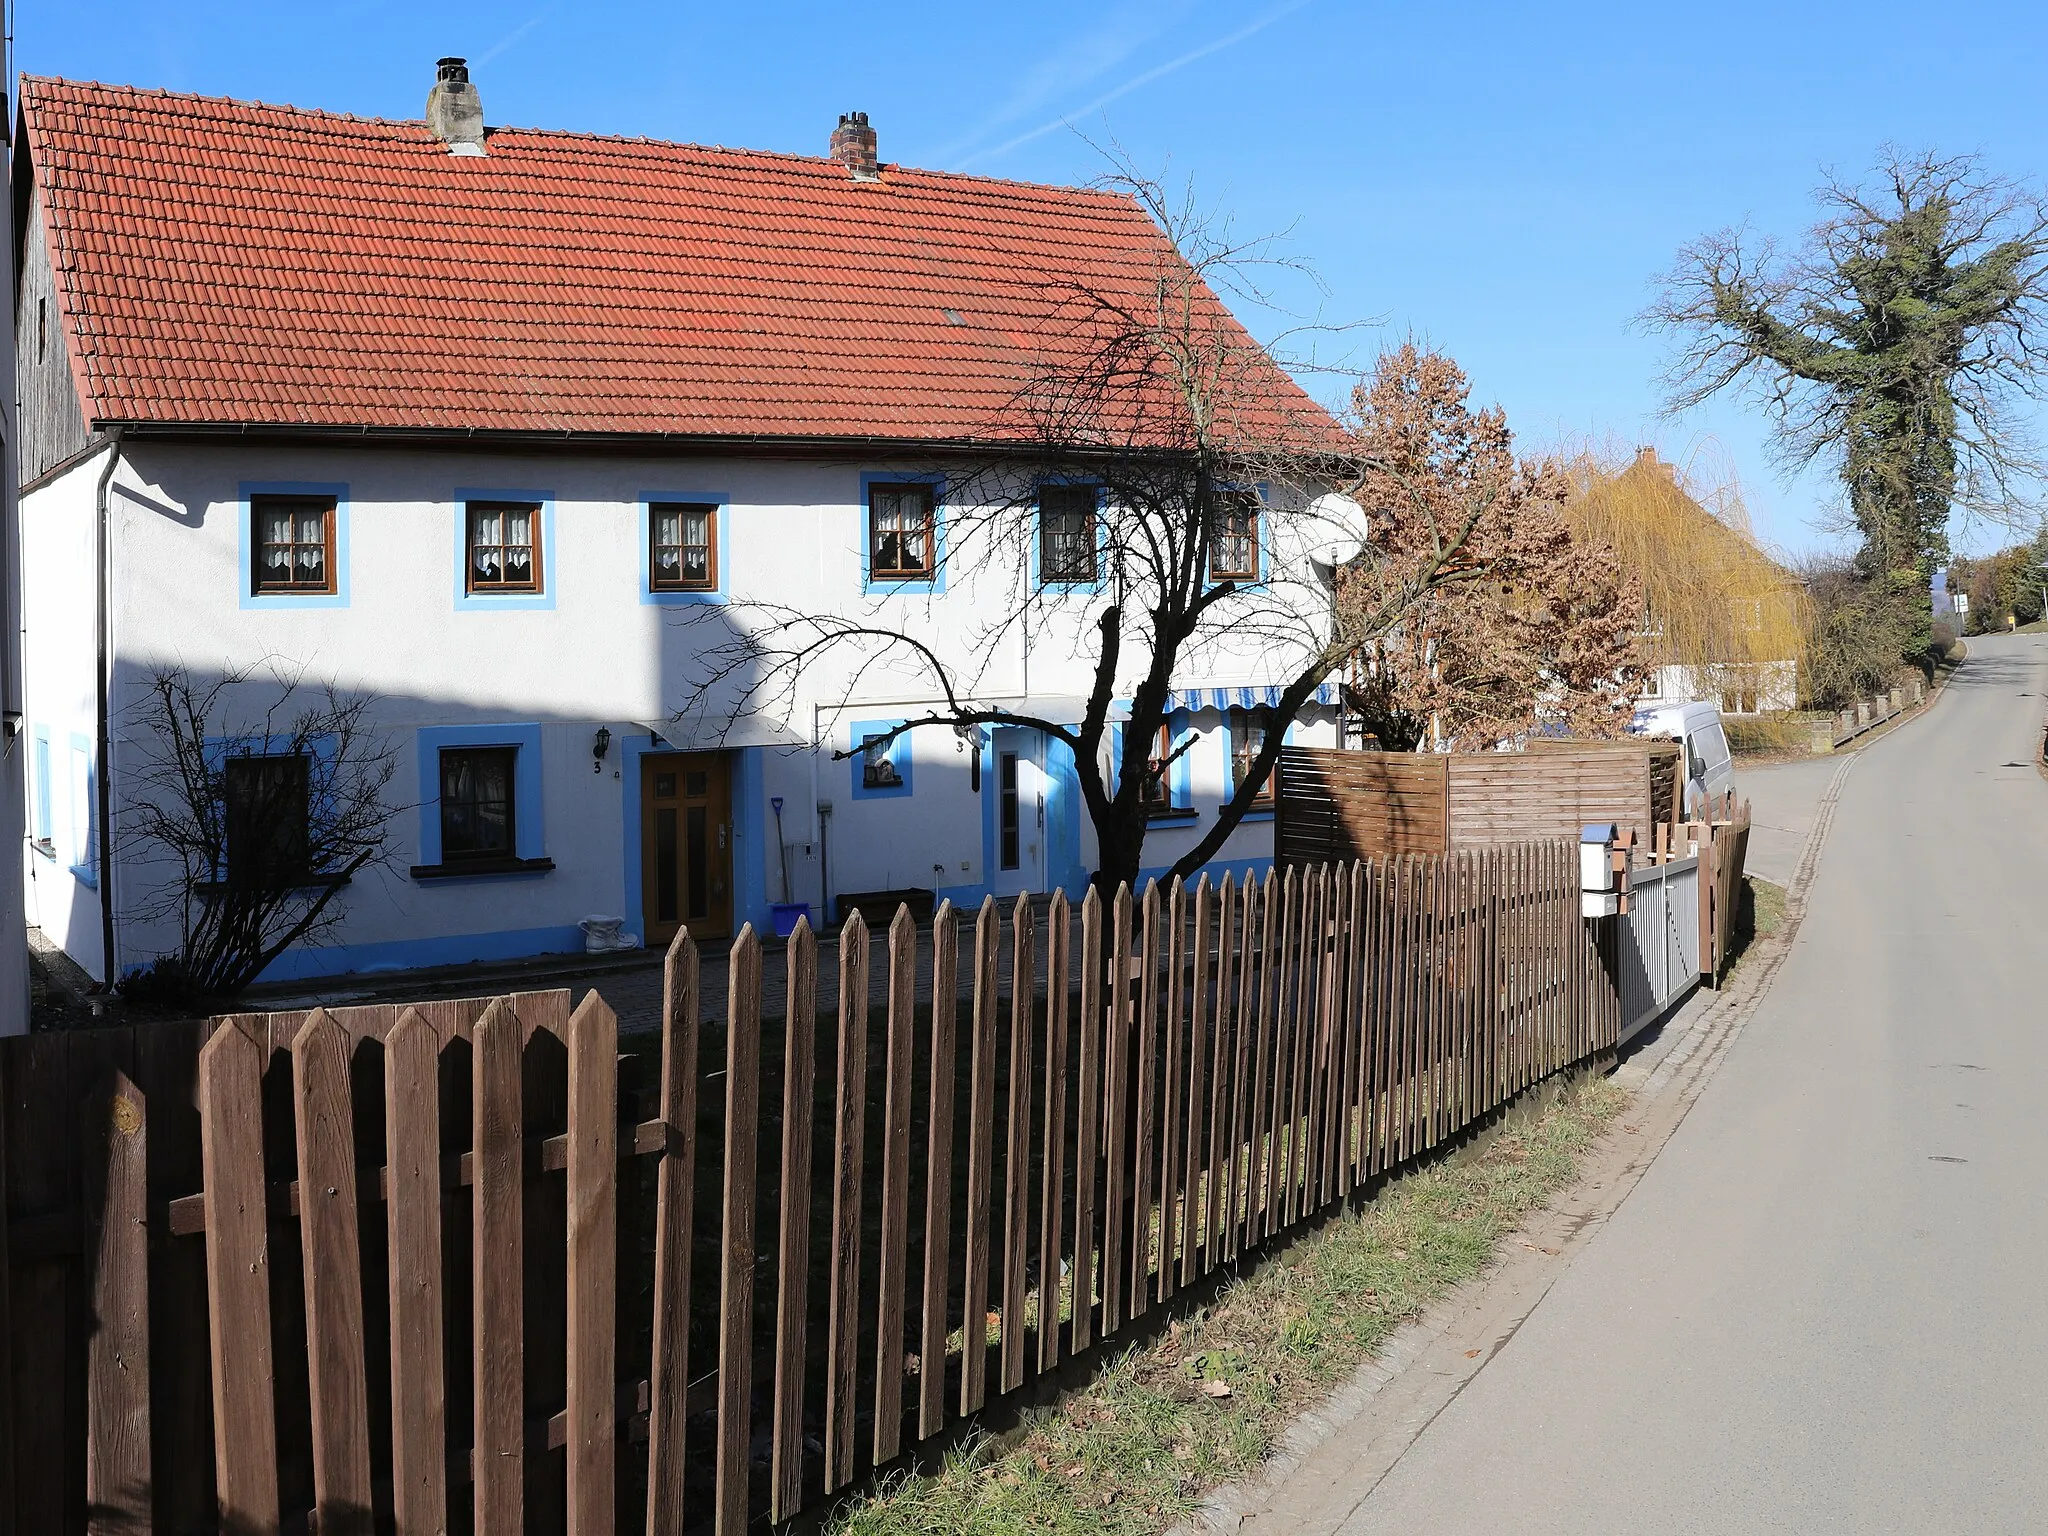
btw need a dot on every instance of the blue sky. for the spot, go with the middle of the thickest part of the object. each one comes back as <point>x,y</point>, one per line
<point>1504,181</point>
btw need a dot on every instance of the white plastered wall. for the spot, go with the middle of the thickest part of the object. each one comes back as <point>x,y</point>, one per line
<point>595,655</point>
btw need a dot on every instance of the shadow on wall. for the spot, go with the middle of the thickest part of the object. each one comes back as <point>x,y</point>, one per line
<point>579,834</point>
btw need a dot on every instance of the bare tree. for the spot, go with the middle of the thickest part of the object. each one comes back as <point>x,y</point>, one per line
<point>256,819</point>
<point>1893,344</point>
<point>1211,511</point>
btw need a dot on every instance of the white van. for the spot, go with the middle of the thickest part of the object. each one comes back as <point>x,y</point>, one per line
<point>1709,770</point>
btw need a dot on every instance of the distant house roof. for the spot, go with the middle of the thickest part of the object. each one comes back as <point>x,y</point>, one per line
<point>224,264</point>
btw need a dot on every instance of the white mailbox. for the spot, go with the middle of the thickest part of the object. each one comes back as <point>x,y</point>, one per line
<point>1599,886</point>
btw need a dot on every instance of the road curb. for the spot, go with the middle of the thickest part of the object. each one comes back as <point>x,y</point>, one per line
<point>1387,1403</point>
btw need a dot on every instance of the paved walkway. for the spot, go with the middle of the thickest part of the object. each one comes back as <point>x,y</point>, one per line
<point>1821,1309</point>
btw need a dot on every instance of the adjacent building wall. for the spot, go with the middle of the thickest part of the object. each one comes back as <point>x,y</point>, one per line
<point>15,741</point>
<point>59,713</point>
<point>52,424</point>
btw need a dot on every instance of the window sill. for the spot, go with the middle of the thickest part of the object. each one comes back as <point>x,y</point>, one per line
<point>310,883</point>
<point>46,846</point>
<point>1176,817</point>
<point>901,586</point>
<point>463,869</point>
<point>86,876</point>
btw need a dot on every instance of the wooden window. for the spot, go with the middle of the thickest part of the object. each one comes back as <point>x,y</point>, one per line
<point>1007,817</point>
<point>878,763</point>
<point>44,835</point>
<point>1066,534</point>
<point>268,836</point>
<point>477,813</point>
<point>902,533</point>
<point>1234,537</point>
<point>504,547</point>
<point>1155,791</point>
<point>294,544</point>
<point>683,546</point>
<point>1247,740</point>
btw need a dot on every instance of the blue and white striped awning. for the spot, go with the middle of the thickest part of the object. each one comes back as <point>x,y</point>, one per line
<point>1241,698</point>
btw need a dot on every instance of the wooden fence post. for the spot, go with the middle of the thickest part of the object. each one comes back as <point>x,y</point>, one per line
<point>849,1139</point>
<point>238,1278</point>
<point>892,1278</point>
<point>793,1250</point>
<point>938,1189</point>
<point>593,1233</point>
<point>1172,1090</point>
<point>1116,1058</point>
<point>325,1125</point>
<point>981,1115</point>
<point>1088,1118</point>
<point>1058,939</point>
<point>668,1393</point>
<point>736,1272</point>
<point>1144,1064</point>
<point>412,1147</point>
<point>1017,1151</point>
<point>115,1172</point>
<point>499,1459</point>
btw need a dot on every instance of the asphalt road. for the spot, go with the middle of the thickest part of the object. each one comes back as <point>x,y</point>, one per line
<point>1825,1307</point>
<point>1783,800</point>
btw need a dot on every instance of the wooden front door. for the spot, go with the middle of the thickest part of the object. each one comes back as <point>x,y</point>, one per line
<point>685,845</point>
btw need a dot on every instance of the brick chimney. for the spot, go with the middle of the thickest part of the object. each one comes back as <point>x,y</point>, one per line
<point>853,146</point>
<point>455,113</point>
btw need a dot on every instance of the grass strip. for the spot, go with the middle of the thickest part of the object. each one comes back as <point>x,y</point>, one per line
<point>1133,1452</point>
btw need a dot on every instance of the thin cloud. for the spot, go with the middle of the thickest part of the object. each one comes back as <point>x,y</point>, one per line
<point>1137,82</point>
<point>512,38</point>
<point>1080,61</point>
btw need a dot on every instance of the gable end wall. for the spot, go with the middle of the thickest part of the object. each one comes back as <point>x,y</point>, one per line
<point>52,424</point>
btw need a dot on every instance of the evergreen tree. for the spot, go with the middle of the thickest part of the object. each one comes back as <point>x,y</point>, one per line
<point>1893,344</point>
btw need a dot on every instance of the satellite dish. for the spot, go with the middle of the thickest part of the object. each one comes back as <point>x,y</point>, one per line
<point>1329,559</point>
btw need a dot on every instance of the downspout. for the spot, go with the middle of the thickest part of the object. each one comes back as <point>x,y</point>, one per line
<point>103,776</point>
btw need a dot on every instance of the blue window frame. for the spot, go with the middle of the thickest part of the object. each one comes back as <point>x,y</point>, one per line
<point>85,813</point>
<point>253,494</point>
<point>1061,504</point>
<point>885,773</point>
<point>44,834</point>
<point>529,843</point>
<point>932,487</point>
<point>543,503</point>
<point>675,505</point>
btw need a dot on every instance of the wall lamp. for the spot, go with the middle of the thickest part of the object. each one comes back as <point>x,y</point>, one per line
<point>598,747</point>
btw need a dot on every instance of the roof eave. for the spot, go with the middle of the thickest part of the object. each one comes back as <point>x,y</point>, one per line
<point>565,441</point>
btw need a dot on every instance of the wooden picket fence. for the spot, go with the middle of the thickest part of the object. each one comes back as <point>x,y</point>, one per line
<point>431,1268</point>
<point>1724,852</point>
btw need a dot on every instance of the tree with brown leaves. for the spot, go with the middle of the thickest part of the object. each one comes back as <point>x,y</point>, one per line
<point>1541,640</point>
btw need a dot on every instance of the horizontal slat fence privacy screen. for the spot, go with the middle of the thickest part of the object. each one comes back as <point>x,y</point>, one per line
<point>466,1267</point>
<point>1336,805</point>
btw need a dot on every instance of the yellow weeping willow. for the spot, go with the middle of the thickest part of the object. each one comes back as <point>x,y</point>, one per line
<point>1720,612</point>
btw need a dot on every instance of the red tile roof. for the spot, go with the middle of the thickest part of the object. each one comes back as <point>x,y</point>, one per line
<point>223,263</point>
